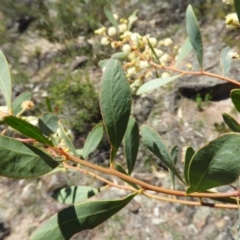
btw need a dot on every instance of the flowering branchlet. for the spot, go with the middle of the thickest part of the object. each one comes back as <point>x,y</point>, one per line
<point>142,54</point>
<point>140,49</point>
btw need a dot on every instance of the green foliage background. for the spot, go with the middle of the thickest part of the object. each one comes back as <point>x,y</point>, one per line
<point>76,100</point>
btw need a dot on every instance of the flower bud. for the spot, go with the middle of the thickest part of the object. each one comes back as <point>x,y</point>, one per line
<point>145,39</point>
<point>123,20</point>
<point>115,16</point>
<point>232,21</point>
<point>135,38</point>
<point>122,27</point>
<point>131,72</point>
<point>165,59</point>
<point>158,52</point>
<point>167,42</point>
<point>126,34</point>
<point>126,48</point>
<point>105,41</point>
<point>100,31</point>
<point>26,105</point>
<point>148,74</point>
<point>114,44</point>
<point>153,41</point>
<point>132,56</point>
<point>143,64</point>
<point>189,65</point>
<point>165,75</point>
<point>112,31</point>
<point>31,119</point>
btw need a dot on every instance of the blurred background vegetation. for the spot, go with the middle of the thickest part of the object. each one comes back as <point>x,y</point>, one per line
<point>47,44</point>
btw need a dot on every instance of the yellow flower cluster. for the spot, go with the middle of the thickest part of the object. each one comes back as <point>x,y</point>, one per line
<point>231,20</point>
<point>140,50</point>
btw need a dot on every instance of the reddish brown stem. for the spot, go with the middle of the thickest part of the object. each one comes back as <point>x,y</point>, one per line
<point>147,186</point>
<point>198,73</point>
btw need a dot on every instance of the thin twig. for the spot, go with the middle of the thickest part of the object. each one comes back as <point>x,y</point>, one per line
<point>192,203</point>
<point>198,73</point>
<point>147,186</point>
<point>99,178</point>
<point>174,200</point>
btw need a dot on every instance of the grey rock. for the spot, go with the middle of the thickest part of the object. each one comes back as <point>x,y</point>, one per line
<point>142,108</point>
<point>79,61</point>
<point>191,86</point>
<point>171,101</point>
<point>201,216</point>
<point>28,194</point>
<point>24,60</point>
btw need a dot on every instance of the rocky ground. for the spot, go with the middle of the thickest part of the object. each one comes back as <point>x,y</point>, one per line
<point>174,113</point>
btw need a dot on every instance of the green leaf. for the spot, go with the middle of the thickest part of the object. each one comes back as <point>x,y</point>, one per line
<point>48,104</point>
<point>27,129</point>
<point>79,151</point>
<point>174,155</point>
<point>120,55</point>
<point>237,8</point>
<point>131,144</point>
<point>225,61</point>
<point>185,50</point>
<point>110,18</point>
<point>156,83</point>
<point>103,63</point>
<point>155,144</point>
<point>153,51</point>
<point>120,169</point>
<point>133,18</point>
<point>235,96</point>
<point>79,217</point>
<point>188,156</point>
<point>48,123</point>
<point>22,161</point>
<point>75,194</point>
<point>92,141</point>
<point>194,34</point>
<point>215,164</point>
<point>115,103</point>
<point>231,122</point>
<point>66,139</point>
<point>157,74</point>
<point>5,81</point>
<point>17,102</point>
